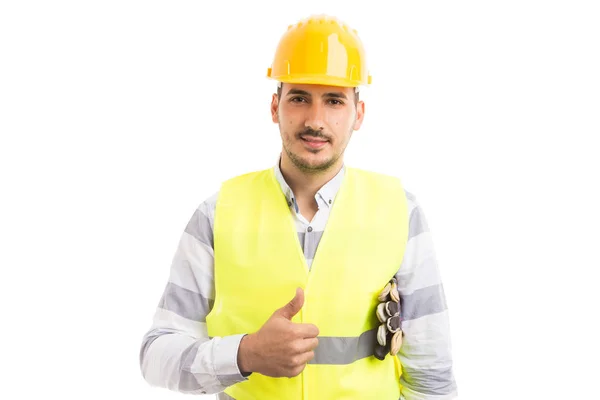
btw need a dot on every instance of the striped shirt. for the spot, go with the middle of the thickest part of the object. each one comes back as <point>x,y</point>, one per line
<point>177,353</point>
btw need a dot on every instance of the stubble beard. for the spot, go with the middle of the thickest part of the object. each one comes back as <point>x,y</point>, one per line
<point>307,167</point>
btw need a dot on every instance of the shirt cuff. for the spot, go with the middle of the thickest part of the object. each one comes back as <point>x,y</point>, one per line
<point>226,355</point>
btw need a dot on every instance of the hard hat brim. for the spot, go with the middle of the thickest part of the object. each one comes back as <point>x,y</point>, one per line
<point>324,80</point>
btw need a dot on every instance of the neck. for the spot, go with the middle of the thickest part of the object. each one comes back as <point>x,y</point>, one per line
<point>303,184</point>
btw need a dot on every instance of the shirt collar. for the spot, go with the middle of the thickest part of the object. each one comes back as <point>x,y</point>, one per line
<point>327,192</point>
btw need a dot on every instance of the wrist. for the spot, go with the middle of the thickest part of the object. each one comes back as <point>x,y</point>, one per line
<point>244,357</point>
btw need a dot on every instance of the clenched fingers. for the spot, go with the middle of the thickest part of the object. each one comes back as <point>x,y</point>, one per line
<point>305,345</point>
<point>306,330</point>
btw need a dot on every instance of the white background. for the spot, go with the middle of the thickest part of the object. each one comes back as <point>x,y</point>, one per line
<point>117,118</point>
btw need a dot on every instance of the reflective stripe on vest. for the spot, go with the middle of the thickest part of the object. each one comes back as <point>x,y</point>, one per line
<point>259,263</point>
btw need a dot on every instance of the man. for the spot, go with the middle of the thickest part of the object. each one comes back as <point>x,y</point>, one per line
<point>274,286</point>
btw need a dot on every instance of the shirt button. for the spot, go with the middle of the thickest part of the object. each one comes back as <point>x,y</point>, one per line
<point>329,201</point>
<point>310,228</point>
<point>289,203</point>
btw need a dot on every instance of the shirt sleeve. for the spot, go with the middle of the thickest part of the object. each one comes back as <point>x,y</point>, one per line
<point>177,353</point>
<point>426,353</point>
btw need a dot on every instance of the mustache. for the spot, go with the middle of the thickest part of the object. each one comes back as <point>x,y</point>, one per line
<point>313,133</point>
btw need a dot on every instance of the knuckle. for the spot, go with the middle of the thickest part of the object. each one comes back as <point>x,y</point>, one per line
<point>311,355</point>
<point>295,331</point>
<point>292,363</point>
<point>296,347</point>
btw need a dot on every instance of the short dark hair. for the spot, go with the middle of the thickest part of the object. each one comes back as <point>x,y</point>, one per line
<point>356,97</point>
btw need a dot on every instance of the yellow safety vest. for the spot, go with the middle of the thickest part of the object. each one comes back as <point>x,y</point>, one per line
<point>259,263</point>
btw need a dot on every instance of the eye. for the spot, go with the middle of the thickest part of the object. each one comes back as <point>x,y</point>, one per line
<point>336,102</point>
<point>297,99</point>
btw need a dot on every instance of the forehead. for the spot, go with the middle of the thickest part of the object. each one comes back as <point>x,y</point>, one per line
<point>316,90</point>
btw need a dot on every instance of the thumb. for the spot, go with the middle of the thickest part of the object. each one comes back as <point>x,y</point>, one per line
<point>290,309</point>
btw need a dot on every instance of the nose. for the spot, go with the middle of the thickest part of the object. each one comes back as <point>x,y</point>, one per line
<point>315,118</point>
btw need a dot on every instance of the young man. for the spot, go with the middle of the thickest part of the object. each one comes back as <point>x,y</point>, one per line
<point>275,286</point>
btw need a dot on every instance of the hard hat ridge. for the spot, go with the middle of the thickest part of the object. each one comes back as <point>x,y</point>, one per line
<point>320,49</point>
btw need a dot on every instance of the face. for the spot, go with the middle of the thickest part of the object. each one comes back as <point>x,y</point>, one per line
<point>316,123</point>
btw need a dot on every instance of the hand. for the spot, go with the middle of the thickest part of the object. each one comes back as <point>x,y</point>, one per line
<point>280,348</point>
<point>389,334</point>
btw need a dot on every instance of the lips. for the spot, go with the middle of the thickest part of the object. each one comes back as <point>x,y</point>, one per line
<point>313,143</point>
<point>313,139</point>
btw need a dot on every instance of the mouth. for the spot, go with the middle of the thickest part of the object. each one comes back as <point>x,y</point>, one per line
<point>312,142</point>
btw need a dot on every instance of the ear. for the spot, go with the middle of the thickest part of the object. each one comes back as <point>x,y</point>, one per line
<point>360,115</point>
<point>274,108</point>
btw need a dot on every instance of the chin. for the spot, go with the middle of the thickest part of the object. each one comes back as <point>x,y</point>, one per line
<point>315,164</point>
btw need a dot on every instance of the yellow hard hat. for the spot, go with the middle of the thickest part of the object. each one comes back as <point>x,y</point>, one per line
<point>320,50</point>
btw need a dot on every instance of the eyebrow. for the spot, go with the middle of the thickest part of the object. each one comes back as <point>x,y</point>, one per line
<point>338,95</point>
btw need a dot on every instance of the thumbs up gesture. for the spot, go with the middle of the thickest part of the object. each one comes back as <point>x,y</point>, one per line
<point>389,334</point>
<point>280,348</point>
